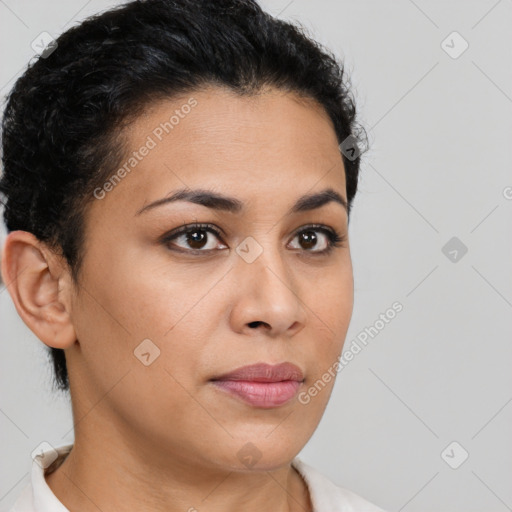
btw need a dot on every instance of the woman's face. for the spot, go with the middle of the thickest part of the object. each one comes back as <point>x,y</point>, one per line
<point>156,320</point>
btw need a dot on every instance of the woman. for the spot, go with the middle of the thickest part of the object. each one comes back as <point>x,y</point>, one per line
<point>178,177</point>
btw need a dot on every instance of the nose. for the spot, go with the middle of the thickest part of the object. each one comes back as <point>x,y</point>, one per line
<point>267,296</point>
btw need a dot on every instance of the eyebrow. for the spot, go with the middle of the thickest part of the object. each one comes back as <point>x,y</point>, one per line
<point>220,202</point>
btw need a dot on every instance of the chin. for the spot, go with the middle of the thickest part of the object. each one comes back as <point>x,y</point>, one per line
<point>259,454</point>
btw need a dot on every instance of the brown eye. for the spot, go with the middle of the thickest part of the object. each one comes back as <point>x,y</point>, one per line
<point>308,239</point>
<point>193,238</point>
<point>196,239</point>
<point>312,243</point>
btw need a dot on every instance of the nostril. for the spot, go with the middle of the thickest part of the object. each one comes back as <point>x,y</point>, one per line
<point>256,323</point>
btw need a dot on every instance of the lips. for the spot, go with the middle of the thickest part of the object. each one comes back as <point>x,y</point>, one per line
<point>262,385</point>
<point>263,372</point>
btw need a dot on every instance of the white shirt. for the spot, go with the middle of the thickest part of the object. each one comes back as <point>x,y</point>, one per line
<point>37,496</point>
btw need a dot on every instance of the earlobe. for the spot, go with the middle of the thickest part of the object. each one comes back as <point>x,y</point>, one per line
<point>35,279</point>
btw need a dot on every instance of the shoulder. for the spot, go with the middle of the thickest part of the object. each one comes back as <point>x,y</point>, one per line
<point>328,497</point>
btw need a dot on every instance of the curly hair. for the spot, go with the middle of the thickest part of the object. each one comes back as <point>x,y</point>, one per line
<point>62,128</point>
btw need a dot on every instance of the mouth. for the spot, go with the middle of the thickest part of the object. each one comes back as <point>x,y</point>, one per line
<point>262,385</point>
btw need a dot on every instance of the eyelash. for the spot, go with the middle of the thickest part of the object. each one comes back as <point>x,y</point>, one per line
<point>335,239</point>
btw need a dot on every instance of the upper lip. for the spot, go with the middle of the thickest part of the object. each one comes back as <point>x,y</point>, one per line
<point>263,372</point>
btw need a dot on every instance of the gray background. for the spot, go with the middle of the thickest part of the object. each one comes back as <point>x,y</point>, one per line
<point>439,167</point>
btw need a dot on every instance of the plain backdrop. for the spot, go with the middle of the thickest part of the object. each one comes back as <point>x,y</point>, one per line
<point>421,418</point>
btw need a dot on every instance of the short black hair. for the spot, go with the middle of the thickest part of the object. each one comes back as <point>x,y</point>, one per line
<point>62,125</point>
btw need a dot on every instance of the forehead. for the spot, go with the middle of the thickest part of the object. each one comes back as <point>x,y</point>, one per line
<point>213,138</point>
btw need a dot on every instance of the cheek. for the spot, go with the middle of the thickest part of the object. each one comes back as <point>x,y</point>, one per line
<point>331,306</point>
<point>331,301</point>
<point>149,307</point>
<point>144,296</point>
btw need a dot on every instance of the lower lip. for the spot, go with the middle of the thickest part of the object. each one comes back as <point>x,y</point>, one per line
<point>261,394</point>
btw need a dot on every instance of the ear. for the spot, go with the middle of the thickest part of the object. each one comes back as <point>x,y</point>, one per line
<point>39,283</point>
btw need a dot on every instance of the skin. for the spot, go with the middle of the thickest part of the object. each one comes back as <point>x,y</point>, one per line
<point>162,437</point>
